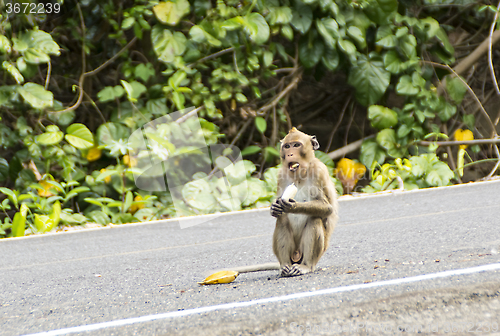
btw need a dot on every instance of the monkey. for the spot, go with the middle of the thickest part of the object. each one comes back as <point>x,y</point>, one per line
<point>304,224</point>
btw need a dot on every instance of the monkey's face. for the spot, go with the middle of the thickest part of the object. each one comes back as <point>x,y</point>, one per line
<point>297,150</point>
<point>293,155</point>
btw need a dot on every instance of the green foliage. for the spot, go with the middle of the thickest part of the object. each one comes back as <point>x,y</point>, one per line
<point>422,171</point>
<point>68,159</point>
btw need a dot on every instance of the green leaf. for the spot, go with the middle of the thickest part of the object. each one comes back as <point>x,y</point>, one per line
<point>310,55</point>
<point>393,63</point>
<point>137,89</point>
<point>42,223</point>
<point>385,38</point>
<point>74,192</point>
<point>272,151</point>
<point>260,124</point>
<point>357,35</point>
<point>128,23</point>
<point>144,71</point>
<point>110,93</point>
<point>370,79</point>
<point>379,11</point>
<point>61,118</point>
<point>445,43</point>
<point>456,89</point>
<point>302,17</point>
<point>287,32</point>
<point>4,169</point>
<point>109,132</point>
<point>36,46</point>
<point>382,117</point>
<point>51,137</point>
<point>257,27</point>
<point>418,165</point>
<point>404,130</point>
<point>386,138</point>
<point>349,49</point>
<point>100,217</point>
<point>198,34</point>
<point>250,150</point>
<point>371,153</point>
<point>5,46</point>
<point>440,174</point>
<point>240,97</point>
<point>171,12</point>
<point>329,30</point>
<point>430,26</point>
<point>408,45</point>
<point>330,59</point>
<point>36,95</point>
<point>406,87</point>
<point>133,89</point>
<point>19,222</point>
<point>129,198</point>
<point>197,194</point>
<point>167,45</point>
<point>106,173</point>
<point>279,15</point>
<point>79,136</point>
<point>267,57</point>
<point>446,110</point>
<point>55,215</point>
<point>13,71</point>
<point>469,120</point>
<point>10,194</point>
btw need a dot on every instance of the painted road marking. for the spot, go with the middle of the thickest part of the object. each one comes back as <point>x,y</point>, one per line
<point>225,306</point>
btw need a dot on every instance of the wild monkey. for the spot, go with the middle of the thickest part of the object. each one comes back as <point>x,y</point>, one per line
<point>304,224</point>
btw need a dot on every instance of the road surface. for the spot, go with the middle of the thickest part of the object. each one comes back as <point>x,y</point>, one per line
<point>423,261</point>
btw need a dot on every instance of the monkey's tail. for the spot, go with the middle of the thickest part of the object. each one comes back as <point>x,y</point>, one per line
<point>255,268</point>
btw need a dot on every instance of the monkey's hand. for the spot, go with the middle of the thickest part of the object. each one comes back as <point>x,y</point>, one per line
<point>276,209</point>
<point>288,206</point>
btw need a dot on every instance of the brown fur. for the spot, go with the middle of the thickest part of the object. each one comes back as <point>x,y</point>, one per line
<point>304,225</point>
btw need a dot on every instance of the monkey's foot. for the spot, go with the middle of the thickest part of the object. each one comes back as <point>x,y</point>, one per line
<point>296,256</point>
<point>294,270</point>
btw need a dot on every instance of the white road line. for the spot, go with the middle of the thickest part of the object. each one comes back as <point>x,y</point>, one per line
<point>181,313</point>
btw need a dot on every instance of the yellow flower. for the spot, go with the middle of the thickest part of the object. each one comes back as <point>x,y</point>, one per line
<point>107,179</point>
<point>129,160</point>
<point>134,207</point>
<point>463,135</point>
<point>349,172</point>
<point>47,190</point>
<point>94,154</point>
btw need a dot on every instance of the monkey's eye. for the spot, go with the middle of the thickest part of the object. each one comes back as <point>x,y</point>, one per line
<point>287,146</point>
<point>296,144</point>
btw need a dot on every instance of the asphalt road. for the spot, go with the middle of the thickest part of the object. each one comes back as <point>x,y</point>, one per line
<point>368,282</point>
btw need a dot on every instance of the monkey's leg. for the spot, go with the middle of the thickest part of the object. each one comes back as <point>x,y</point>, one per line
<point>312,246</point>
<point>283,244</point>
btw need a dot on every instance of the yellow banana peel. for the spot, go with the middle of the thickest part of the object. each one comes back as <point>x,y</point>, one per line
<point>220,277</point>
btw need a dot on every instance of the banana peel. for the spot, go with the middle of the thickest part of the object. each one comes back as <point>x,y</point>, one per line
<point>220,278</point>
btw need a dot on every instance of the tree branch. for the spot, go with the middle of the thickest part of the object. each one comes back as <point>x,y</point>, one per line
<point>283,93</point>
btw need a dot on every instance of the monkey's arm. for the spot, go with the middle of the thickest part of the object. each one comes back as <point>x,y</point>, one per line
<point>317,208</point>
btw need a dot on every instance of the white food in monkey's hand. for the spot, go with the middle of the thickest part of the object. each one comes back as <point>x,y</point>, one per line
<point>289,192</point>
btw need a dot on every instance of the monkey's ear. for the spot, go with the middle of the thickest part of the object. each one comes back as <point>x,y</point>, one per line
<point>314,142</point>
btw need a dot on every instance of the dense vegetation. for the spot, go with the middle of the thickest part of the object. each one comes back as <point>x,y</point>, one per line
<point>371,77</point>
